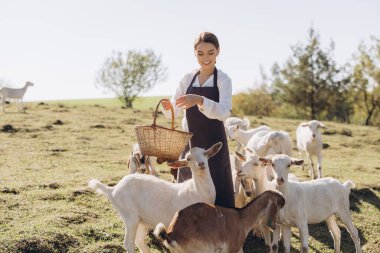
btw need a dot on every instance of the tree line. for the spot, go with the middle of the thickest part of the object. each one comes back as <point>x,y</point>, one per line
<point>309,85</point>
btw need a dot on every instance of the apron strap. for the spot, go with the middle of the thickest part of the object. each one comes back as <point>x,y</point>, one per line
<point>215,78</point>
<point>192,80</point>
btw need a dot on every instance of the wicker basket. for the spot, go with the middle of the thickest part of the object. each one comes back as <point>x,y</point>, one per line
<point>164,143</point>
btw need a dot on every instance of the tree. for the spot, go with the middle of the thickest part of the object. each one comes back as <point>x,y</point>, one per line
<point>366,79</point>
<point>310,79</point>
<point>129,74</point>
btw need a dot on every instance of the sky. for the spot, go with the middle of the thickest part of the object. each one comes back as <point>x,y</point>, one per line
<point>61,45</point>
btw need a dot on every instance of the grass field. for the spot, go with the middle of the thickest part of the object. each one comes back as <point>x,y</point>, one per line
<point>49,153</point>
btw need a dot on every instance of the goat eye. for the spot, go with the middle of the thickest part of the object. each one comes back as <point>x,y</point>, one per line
<point>289,166</point>
<point>188,159</point>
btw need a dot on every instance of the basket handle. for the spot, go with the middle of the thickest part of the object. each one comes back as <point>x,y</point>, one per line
<point>171,108</point>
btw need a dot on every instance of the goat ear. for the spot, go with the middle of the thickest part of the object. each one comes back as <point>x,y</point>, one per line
<point>305,124</point>
<point>297,161</point>
<point>214,149</point>
<point>240,156</point>
<point>174,172</point>
<point>265,160</point>
<point>249,150</point>
<point>271,214</point>
<point>321,125</point>
<point>177,164</point>
<point>237,127</point>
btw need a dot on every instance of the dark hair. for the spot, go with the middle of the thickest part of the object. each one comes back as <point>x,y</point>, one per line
<point>206,37</point>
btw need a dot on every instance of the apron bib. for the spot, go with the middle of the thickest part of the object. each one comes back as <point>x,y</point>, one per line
<point>207,132</point>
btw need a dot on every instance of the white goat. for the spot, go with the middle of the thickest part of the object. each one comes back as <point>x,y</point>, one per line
<point>143,201</point>
<point>140,163</point>
<point>17,94</point>
<point>240,123</point>
<point>309,140</point>
<point>243,187</point>
<point>203,228</point>
<point>270,142</point>
<point>312,202</point>
<point>252,168</point>
<point>242,136</point>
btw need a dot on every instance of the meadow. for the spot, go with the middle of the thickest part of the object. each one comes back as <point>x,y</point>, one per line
<point>49,153</point>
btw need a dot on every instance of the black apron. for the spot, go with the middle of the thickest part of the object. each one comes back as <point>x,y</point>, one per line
<point>207,132</point>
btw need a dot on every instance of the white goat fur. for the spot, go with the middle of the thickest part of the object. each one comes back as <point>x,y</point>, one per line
<point>235,132</point>
<point>253,169</point>
<point>265,143</point>
<point>243,124</point>
<point>243,187</point>
<point>140,163</point>
<point>143,201</point>
<point>12,93</point>
<point>309,140</point>
<point>313,202</point>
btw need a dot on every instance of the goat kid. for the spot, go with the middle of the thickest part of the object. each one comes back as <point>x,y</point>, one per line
<point>204,228</point>
<point>312,202</point>
<point>140,163</point>
<point>309,140</point>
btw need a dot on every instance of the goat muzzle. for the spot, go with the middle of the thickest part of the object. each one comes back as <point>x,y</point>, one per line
<point>280,181</point>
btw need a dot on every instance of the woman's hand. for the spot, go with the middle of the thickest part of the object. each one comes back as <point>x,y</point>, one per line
<point>187,101</point>
<point>166,104</point>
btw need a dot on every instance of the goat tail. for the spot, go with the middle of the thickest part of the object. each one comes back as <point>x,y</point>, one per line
<point>99,187</point>
<point>349,184</point>
<point>163,236</point>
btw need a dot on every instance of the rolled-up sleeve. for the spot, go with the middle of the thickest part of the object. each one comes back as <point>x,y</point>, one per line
<point>219,110</point>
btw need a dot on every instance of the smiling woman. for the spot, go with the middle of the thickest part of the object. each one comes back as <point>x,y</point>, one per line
<point>205,97</point>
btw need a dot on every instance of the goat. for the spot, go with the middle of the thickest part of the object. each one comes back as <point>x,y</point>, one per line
<point>309,140</point>
<point>143,200</point>
<point>243,187</point>
<point>242,124</point>
<point>140,163</point>
<point>203,228</point>
<point>253,169</point>
<point>312,202</point>
<point>17,94</point>
<point>270,142</point>
<point>242,136</point>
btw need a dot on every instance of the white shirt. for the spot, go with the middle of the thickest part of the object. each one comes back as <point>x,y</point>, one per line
<point>213,110</point>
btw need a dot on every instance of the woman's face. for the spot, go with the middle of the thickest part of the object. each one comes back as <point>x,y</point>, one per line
<point>206,54</point>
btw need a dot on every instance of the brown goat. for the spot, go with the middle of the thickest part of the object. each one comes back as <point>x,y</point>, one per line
<point>202,228</point>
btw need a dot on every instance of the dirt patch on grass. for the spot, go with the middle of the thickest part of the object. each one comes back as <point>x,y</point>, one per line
<point>78,218</point>
<point>53,197</point>
<point>82,192</point>
<point>8,190</point>
<point>9,129</point>
<point>47,243</point>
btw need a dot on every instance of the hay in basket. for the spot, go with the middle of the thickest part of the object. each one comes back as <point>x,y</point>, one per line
<point>164,143</point>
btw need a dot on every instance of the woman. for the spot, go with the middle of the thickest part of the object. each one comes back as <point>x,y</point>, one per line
<point>205,96</point>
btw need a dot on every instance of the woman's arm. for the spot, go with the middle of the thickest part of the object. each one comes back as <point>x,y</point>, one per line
<point>181,90</point>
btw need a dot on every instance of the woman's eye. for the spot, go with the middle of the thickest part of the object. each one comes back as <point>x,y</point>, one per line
<point>210,54</point>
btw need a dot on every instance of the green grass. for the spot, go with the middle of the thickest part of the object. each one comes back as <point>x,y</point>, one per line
<point>58,146</point>
<point>139,103</point>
